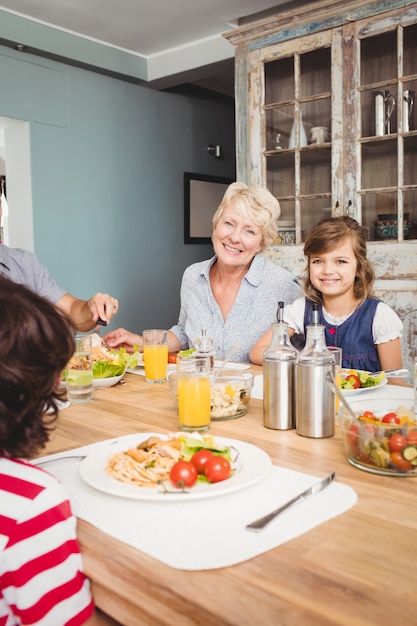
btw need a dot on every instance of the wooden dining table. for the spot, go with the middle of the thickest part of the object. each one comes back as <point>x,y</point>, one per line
<point>357,568</point>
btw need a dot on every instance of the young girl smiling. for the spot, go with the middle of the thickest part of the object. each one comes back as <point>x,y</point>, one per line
<point>339,278</point>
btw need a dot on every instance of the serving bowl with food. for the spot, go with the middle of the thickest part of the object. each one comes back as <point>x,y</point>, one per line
<point>382,439</point>
<point>229,396</point>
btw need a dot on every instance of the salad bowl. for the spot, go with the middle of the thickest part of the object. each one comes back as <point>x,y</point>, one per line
<point>382,437</point>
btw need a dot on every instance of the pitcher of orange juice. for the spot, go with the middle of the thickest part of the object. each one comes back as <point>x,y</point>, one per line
<point>193,392</point>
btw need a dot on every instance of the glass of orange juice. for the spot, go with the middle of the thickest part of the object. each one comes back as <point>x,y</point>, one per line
<point>193,392</point>
<point>337,356</point>
<point>155,355</point>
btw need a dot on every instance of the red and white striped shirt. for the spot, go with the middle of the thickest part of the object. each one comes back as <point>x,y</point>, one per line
<point>41,578</point>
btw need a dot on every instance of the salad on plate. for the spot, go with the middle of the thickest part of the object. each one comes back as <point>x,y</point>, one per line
<point>108,363</point>
<point>360,379</point>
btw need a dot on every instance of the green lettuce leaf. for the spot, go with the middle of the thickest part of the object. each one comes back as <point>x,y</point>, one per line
<point>105,369</point>
<point>129,360</point>
<point>191,445</point>
<point>371,381</point>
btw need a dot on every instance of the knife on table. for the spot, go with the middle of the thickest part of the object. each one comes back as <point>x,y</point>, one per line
<point>319,486</point>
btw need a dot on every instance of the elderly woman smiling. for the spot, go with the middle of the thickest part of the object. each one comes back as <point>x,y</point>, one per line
<point>233,295</point>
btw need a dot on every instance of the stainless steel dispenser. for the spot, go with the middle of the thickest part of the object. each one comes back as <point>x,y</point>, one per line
<point>315,405</point>
<point>278,377</point>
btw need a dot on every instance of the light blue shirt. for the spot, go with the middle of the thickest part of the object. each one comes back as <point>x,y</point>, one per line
<point>22,267</point>
<point>252,313</point>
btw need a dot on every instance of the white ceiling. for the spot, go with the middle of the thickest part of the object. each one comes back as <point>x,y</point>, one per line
<point>161,31</point>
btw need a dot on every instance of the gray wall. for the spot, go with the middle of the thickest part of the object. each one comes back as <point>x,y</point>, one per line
<point>107,164</point>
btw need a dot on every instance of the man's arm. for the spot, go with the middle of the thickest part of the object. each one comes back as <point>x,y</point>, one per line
<point>85,313</point>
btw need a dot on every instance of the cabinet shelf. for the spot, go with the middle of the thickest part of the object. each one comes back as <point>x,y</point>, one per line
<point>376,190</point>
<point>410,135</point>
<point>306,99</point>
<point>314,148</point>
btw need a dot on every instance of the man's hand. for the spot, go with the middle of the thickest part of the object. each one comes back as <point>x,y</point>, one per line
<point>103,306</point>
<point>84,314</point>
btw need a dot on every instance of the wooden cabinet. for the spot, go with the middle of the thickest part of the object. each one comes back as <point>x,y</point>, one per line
<point>326,119</point>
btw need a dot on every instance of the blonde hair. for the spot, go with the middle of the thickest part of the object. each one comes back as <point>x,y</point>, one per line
<point>325,237</point>
<point>254,203</point>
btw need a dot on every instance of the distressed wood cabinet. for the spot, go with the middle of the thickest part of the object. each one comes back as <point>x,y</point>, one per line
<point>326,119</point>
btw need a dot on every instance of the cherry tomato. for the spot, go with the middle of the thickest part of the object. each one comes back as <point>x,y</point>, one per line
<point>396,442</point>
<point>172,357</point>
<point>400,462</point>
<point>368,431</point>
<point>364,458</point>
<point>183,474</point>
<point>412,437</point>
<point>391,418</point>
<point>369,415</point>
<point>355,380</point>
<point>200,458</point>
<point>217,468</point>
<point>353,439</point>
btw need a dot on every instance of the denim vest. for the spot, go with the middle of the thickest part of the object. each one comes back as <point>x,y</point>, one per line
<point>354,335</point>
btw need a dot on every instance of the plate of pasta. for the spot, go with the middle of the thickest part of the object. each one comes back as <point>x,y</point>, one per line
<point>138,467</point>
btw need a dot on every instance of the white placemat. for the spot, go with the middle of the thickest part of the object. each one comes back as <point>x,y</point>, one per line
<point>204,534</point>
<point>258,387</point>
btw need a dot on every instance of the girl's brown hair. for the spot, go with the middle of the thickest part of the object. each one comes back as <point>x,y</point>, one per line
<point>36,343</point>
<point>325,237</point>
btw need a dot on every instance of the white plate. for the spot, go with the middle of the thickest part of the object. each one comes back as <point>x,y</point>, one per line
<point>230,365</point>
<point>98,383</point>
<point>251,465</point>
<point>381,406</point>
<point>140,369</point>
<point>355,392</point>
<point>101,383</point>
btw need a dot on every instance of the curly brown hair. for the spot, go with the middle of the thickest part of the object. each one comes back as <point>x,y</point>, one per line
<point>36,342</point>
<point>326,236</point>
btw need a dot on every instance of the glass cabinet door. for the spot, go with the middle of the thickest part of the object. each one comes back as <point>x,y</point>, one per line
<point>387,176</point>
<point>332,126</point>
<point>298,128</point>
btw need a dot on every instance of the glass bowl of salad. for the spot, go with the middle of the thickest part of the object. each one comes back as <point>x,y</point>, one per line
<point>383,437</point>
<point>229,396</point>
